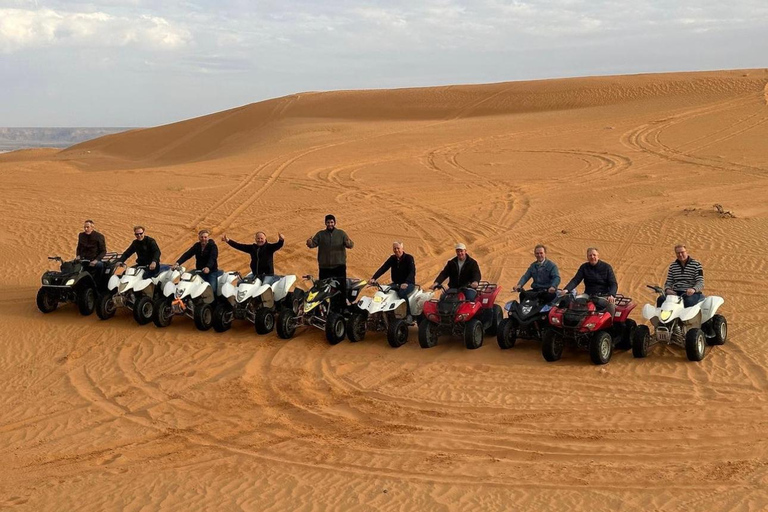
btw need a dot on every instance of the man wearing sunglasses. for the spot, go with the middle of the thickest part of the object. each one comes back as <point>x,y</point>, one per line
<point>146,250</point>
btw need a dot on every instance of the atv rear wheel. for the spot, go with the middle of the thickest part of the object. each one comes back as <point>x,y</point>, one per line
<point>600,347</point>
<point>473,334</point>
<point>203,316</point>
<point>720,326</point>
<point>428,334</point>
<point>496,319</point>
<point>507,335</point>
<point>105,306</point>
<point>335,328</point>
<point>397,333</point>
<point>47,300</point>
<point>264,323</point>
<point>163,314</point>
<point>286,326</point>
<point>86,299</point>
<point>641,341</point>
<point>143,310</point>
<point>356,327</point>
<point>695,344</point>
<point>552,345</point>
<point>222,317</point>
<point>627,335</point>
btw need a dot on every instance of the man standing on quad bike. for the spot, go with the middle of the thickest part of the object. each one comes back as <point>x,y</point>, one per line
<point>332,244</point>
<point>599,280</point>
<point>147,252</point>
<point>91,246</point>
<point>545,274</point>
<point>206,255</point>
<point>262,252</point>
<point>685,278</point>
<point>402,270</point>
<point>463,273</point>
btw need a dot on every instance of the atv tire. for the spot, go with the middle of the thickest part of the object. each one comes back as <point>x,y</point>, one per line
<point>264,321</point>
<point>356,327</point>
<point>286,327</point>
<point>163,314</point>
<point>600,347</point>
<point>203,316</point>
<point>473,334</point>
<point>143,310</point>
<point>641,341</point>
<point>496,319</point>
<point>47,300</point>
<point>428,334</point>
<point>335,328</point>
<point>552,345</point>
<point>86,299</point>
<point>222,317</point>
<point>720,326</point>
<point>105,306</point>
<point>627,335</point>
<point>695,344</point>
<point>397,333</point>
<point>507,335</point>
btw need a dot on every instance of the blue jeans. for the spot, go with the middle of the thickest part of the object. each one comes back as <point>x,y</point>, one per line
<point>212,278</point>
<point>470,294</point>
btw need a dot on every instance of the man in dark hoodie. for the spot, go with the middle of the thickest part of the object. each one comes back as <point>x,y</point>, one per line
<point>463,273</point>
<point>599,280</point>
<point>206,258</point>
<point>262,252</point>
<point>146,250</point>
<point>91,246</point>
<point>332,244</point>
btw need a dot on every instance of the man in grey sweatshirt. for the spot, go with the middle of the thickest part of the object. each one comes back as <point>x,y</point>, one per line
<point>332,244</point>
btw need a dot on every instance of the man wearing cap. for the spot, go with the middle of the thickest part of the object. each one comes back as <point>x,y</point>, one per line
<point>332,244</point>
<point>462,272</point>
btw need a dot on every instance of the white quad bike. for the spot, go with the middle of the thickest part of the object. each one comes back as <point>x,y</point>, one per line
<point>253,298</point>
<point>191,296</point>
<point>386,311</point>
<point>133,291</point>
<point>691,328</point>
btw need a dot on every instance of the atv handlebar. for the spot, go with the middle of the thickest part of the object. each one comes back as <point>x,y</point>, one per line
<point>657,289</point>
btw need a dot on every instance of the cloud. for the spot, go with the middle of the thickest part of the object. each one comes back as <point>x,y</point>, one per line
<point>25,28</point>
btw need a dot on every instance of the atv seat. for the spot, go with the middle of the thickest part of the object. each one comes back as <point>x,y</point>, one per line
<point>355,283</point>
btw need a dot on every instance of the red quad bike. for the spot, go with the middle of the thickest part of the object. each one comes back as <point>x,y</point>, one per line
<point>453,314</point>
<point>584,322</point>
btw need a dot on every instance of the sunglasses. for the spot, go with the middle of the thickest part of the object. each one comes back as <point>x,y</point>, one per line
<point>137,235</point>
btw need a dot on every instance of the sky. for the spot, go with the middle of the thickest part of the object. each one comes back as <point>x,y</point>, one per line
<point>149,62</point>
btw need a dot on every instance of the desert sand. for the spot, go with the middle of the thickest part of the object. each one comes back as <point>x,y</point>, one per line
<point>108,415</point>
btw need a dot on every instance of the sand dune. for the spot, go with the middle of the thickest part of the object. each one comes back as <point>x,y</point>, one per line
<point>109,415</point>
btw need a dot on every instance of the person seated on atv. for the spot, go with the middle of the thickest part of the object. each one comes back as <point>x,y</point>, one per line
<point>599,281</point>
<point>545,276</point>
<point>91,246</point>
<point>402,271</point>
<point>463,273</point>
<point>685,278</point>
<point>206,255</point>
<point>332,244</point>
<point>147,252</point>
<point>262,252</point>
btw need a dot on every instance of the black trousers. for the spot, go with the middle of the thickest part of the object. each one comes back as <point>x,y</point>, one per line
<point>340,272</point>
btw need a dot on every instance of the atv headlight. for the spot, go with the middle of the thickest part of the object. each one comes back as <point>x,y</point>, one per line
<point>70,282</point>
<point>590,325</point>
<point>664,315</point>
<point>461,317</point>
<point>46,281</point>
<point>554,321</point>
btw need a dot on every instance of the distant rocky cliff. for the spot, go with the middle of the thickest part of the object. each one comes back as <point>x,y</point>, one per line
<point>19,138</point>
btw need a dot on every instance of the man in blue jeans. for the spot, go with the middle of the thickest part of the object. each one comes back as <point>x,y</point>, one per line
<point>685,278</point>
<point>206,255</point>
<point>402,271</point>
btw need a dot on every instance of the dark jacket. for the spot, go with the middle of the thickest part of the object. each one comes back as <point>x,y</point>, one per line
<point>544,274</point>
<point>331,247</point>
<point>262,261</point>
<point>403,271</point>
<point>207,256</point>
<point>598,279</point>
<point>146,251</point>
<point>91,247</point>
<point>470,272</point>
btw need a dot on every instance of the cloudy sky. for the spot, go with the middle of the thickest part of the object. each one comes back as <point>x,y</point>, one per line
<point>150,62</point>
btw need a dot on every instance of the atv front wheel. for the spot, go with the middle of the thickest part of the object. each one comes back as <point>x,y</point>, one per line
<point>203,316</point>
<point>428,334</point>
<point>286,326</point>
<point>473,334</point>
<point>695,343</point>
<point>163,312</point>
<point>600,347</point>
<point>507,335</point>
<point>356,327</point>
<point>222,317</point>
<point>720,326</point>
<point>641,341</point>
<point>105,306</point>
<point>47,300</point>
<point>86,299</point>
<point>397,333</point>
<point>143,310</point>
<point>335,328</point>
<point>552,345</point>
<point>264,321</point>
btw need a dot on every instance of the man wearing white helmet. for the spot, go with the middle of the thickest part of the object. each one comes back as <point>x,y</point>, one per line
<point>462,272</point>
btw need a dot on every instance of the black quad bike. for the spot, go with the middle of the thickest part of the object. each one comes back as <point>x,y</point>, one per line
<point>75,282</point>
<point>527,318</point>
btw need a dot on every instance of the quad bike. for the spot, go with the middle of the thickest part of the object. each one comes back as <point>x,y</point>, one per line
<point>75,281</point>
<point>191,296</point>
<point>453,314</point>
<point>527,318</point>
<point>253,298</point>
<point>318,308</point>
<point>386,311</point>
<point>583,321</point>
<point>691,328</point>
<point>133,291</point>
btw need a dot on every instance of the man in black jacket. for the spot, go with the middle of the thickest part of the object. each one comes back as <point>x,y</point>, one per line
<point>463,273</point>
<point>91,244</point>
<point>402,271</point>
<point>599,279</point>
<point>147,252</point>
<point>262,252</point>
<point>206,258</point>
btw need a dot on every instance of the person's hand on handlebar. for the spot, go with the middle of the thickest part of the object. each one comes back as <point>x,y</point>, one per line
<point>552,289</point>
<point>611,299</point>
<point>435,285</point>
<point>474,284</point>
